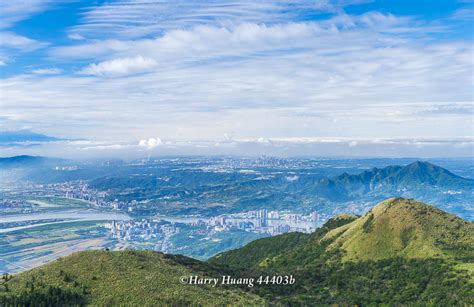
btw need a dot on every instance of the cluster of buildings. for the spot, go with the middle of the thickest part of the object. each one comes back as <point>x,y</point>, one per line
<point>264,215</point>
<point>152,231</point>
<point>249,164</point>
<point>15,206</point>
<point>261,221</point>
<point>158,232</point>
<point>141,230</point>
<point>264,221</point>
<point>77,189</point>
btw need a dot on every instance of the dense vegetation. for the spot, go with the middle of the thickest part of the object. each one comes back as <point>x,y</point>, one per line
<point>394,281</point>
<point>402,252</point>
<point>141,278</point>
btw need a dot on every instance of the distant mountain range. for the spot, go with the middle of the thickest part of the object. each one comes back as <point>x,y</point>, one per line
<point>401,252</point>
<point>176,189</point>
<point>188,191</point>
<point>392,179</point>
<point>8,138</point>
<point>20,161</point>
<point>25,161</point>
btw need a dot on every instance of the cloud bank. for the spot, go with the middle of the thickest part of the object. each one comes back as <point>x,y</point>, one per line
<point>265,71</point>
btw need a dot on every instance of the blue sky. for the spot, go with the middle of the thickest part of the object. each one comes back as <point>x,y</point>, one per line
<point>280,77</point>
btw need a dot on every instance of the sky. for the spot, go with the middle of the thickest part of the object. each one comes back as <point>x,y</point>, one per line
<point>323,78</point>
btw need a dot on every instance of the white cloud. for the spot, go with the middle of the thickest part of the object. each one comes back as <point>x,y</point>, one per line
<point>394,147</point>
<point>14,41</point>
<point>464,13</point>
<point>198,42</point>
<point>150,143</point>
<point>12,12</point>
<point>47,71</point>
<point>121,66</point>
<point>75,36</point>
<point>135,19</point>
<point>246,39</point>
<point>262,72</point>
<point>17,10</point>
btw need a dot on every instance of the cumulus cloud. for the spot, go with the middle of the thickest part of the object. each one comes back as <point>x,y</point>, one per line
<point>121,66</point>
<point>150,143</point>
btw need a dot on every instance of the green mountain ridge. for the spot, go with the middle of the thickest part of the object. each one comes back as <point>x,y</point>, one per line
<point>401,252</point>
<point>110,278</point>
<point>405,228</point>
<point>391,179</point>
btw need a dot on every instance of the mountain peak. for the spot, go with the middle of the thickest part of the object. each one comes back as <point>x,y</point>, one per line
<point>423,165</point>
<point>392,179</point>
<point>402,227</point>
<point>396,201</point>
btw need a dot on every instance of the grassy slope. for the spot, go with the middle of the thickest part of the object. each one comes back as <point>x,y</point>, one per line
<point>405,228</point>
<point>136,277</point>
<point>259,253</point>
<point>267,252</point>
